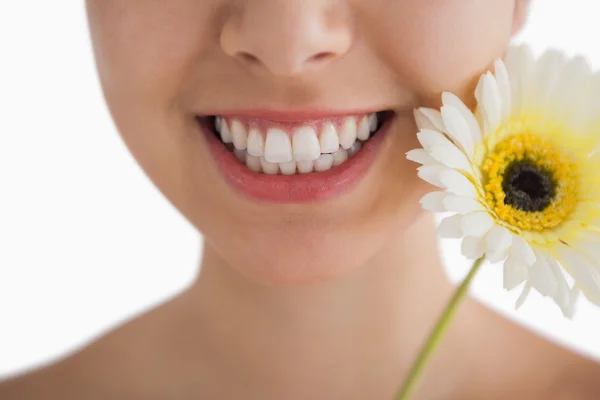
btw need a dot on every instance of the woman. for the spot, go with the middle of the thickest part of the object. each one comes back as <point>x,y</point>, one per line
<point>319,279</point>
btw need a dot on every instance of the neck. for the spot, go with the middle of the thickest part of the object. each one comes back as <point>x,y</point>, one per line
<point>369,323</point>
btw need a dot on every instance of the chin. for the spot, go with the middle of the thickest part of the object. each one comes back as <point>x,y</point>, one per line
<point>296,256</point>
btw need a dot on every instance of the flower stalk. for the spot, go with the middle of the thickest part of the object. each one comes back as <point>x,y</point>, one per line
<point>437,333</point>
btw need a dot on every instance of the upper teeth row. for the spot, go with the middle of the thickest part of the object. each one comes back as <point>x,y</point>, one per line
<point>304,143</point>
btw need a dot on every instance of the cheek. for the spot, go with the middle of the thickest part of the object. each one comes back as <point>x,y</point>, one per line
<point>146,52</point>
<point>143,62</point>
<point>442,45</point>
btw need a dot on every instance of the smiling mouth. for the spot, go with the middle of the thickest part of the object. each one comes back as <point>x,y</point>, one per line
<point>299,147</point>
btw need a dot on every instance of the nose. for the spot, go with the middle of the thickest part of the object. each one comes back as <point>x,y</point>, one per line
<point>287,37</point>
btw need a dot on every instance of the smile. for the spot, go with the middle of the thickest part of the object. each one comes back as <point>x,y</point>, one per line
<point>290,159</point>
<point>290,148</point>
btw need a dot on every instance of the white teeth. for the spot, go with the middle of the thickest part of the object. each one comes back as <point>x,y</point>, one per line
<point>339,157</point>
<point>256,143</point>
<point>354,149</point>
<point>225,133</point>
<point>278,147</point>
<point>269,167</point>
<point>363,129</point>
<point>288,168</point>
<point>240,154</point>
<point>304,167</point>
<point>348,132</point>
<point>238,132</point>
<point>373,122</point>
<point>253,163</point>
<point>324,162</point>
<point>312,147</point>
<point>305,144</point>
<point>329,139</point>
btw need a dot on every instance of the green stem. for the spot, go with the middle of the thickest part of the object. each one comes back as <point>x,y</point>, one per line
<point>437,333</point>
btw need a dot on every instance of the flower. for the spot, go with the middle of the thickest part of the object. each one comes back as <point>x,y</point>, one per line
<point>521,174</point>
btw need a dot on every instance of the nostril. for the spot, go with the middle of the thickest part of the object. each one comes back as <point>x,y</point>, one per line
<point>248,57</point>
<point>252,59</point>
<point>322,56</point>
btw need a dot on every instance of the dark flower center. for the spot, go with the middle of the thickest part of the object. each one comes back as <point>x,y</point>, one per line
<point>527,187</point>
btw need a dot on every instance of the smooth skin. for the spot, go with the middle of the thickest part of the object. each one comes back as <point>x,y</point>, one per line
<point>323,301</point>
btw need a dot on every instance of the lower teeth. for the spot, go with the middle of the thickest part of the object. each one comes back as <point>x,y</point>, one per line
<point>323,163</point>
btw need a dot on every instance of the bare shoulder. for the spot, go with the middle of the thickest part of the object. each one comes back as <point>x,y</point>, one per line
<point>108,367</point>
<point>529,366</point>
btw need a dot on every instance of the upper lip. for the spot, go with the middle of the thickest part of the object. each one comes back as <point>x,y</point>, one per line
<point>293,116</point>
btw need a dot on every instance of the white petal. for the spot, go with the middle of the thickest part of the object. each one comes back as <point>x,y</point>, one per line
<point>519,63</point>
<point>497,256</point>
<point>498,243</point>
<point>523,295</point>
<point>589,244</point>
<point>547,72</point>
<point>573,296</point>
<point>431,174</point>
<point>420,156</point>
<point>477,224</point>
<point>479,111</point>
<point>512,60</point>
<point>498,240</point>
<point>430,138</point>
<point>457,183</point>
<point>458,129</point>
<point>542,278</point>
<point>523,250</point>
<point>573,82</point>
<point>472,247</point>
<point>515,272</point>
<point>422,121</point>
<point>563,293</point>
<point>434,201</point>
<point>474,129</point>
<point>434,117</point>
<point>450,227</point>
<point>575,73</point>
<point>503,86</point>
<point>461,205</point>
<point>584,109</point>
<point>451,156</point>
<point>583,272</point>
<point>490,103</point>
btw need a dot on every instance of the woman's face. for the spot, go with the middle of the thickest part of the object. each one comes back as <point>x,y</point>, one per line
<point>295,81</point>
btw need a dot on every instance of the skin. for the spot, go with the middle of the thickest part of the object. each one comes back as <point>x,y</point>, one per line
<point>329,300</point>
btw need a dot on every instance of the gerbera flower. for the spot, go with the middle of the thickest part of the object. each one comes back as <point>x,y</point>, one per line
<point>521,174</point>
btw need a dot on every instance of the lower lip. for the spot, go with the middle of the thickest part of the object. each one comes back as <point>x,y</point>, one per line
<point>298,188</point>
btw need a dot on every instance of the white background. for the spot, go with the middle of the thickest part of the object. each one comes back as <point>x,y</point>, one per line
<point>86,240</point>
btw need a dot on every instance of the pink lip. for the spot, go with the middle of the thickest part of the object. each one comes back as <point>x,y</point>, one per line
<point>299,188</point>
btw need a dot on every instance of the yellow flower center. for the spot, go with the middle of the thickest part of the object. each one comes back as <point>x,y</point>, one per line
<point>529,184</point>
